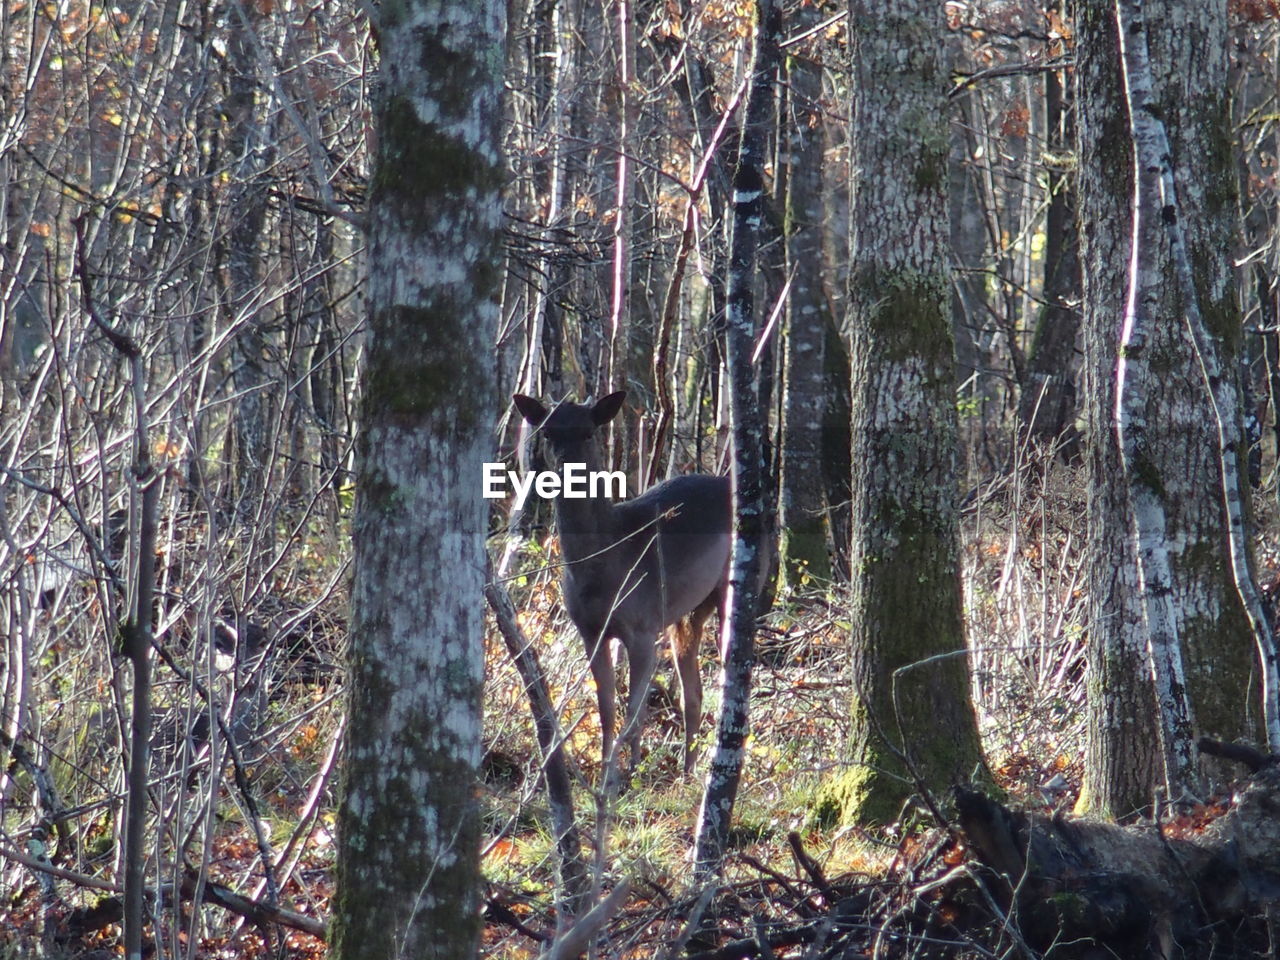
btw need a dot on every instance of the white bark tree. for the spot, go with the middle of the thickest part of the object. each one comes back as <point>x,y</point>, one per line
<point>1147,519</point>
<point>1157,195</point>
<point>1191,435</point>
<point>408,864</point>
<point>749,533</point>
<point>1122,752</point>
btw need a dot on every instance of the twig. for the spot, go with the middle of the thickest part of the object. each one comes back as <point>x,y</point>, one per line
<point>1009,70</point>
<point>495,912</point>
<point>800,902</point>
<point>254,910</point>
<point>121,341</point>
<point>694,923</point>
<point>576,939</point>
<point>79,879</point>
<point>214,893</point>
<point>239,774</point>
<point>810,866</point>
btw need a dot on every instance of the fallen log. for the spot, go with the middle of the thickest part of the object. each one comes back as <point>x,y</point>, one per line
<point>1192,886</point>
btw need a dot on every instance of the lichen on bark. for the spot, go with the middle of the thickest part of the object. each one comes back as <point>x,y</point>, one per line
<point>910,714</point>
<point>409,825</point>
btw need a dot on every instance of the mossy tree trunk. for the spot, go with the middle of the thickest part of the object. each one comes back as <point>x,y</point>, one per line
<point>909,702</point>
<point>1189,60</point>
<point>1122,752</point>
<point>408,861</point>
<point>1188,50</point>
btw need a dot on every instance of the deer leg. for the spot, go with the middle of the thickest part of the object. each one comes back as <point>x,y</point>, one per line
<point>642,658</point>
<point>686,637</point>
<point>602,672</point>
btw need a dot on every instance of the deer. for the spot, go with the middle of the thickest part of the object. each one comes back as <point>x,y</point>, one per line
<point>633,568</point>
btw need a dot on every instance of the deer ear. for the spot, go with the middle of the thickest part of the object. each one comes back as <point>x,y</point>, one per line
<point>608,408</point>
<point>530,409</point>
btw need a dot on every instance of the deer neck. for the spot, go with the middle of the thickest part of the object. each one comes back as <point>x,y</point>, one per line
<point>587,525</point>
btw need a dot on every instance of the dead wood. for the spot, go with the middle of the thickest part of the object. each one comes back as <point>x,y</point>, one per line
<point>1082,886</point>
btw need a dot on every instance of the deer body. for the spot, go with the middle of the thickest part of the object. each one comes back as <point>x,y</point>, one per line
<point>635,567</point>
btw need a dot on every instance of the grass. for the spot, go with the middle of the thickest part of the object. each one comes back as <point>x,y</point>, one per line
<point>1022,541</point>
<point>1022,548</point>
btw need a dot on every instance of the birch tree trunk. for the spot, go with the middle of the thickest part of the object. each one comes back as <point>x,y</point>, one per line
<point>1210,313</point>
<point>408,862</point>
<point>1188,65</point>
<point>748,458</point>
<point>911,716</point>
<point>1147,520</point>
<point>620,278</point>
<point>1122,752</point>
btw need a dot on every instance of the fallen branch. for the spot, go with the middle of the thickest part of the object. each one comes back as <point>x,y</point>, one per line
<point>213,893</point>
<point>1251,757</point>
<point>1188,886</point>
<point>578,937</point>
<point>751,947</point>
<point>254,911</point>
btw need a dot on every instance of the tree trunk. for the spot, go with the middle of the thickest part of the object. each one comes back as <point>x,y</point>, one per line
<point>750,528</point>
<point>1047,407</point>
<point>1122,762</point>
<point>1211,315</point>
<point>911,712</point>
<point>408,862</point>
<point>247,148</point>
<point>553,65</point>
<point>1188,60</point>
<point>1147,515</point>
<point>802,521</point>
<point>969,235</point>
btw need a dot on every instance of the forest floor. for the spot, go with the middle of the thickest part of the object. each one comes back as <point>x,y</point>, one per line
<point>793,886</point>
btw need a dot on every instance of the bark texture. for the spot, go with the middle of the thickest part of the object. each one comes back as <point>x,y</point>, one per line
<point>802,519</point>
<point>1085,888</point>
<point>1147,517</point>
<point>1188,46</point>
<point>1218,379</point>
<point>750,528</point>
<point>248,147</point>
<point>906,590</point>
<point>1048,405</point>
<point>1122,756</point>
<point>408,864</point>
<point>1188,56</point>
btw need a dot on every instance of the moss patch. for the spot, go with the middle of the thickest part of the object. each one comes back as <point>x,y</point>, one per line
<point>859,795</point>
